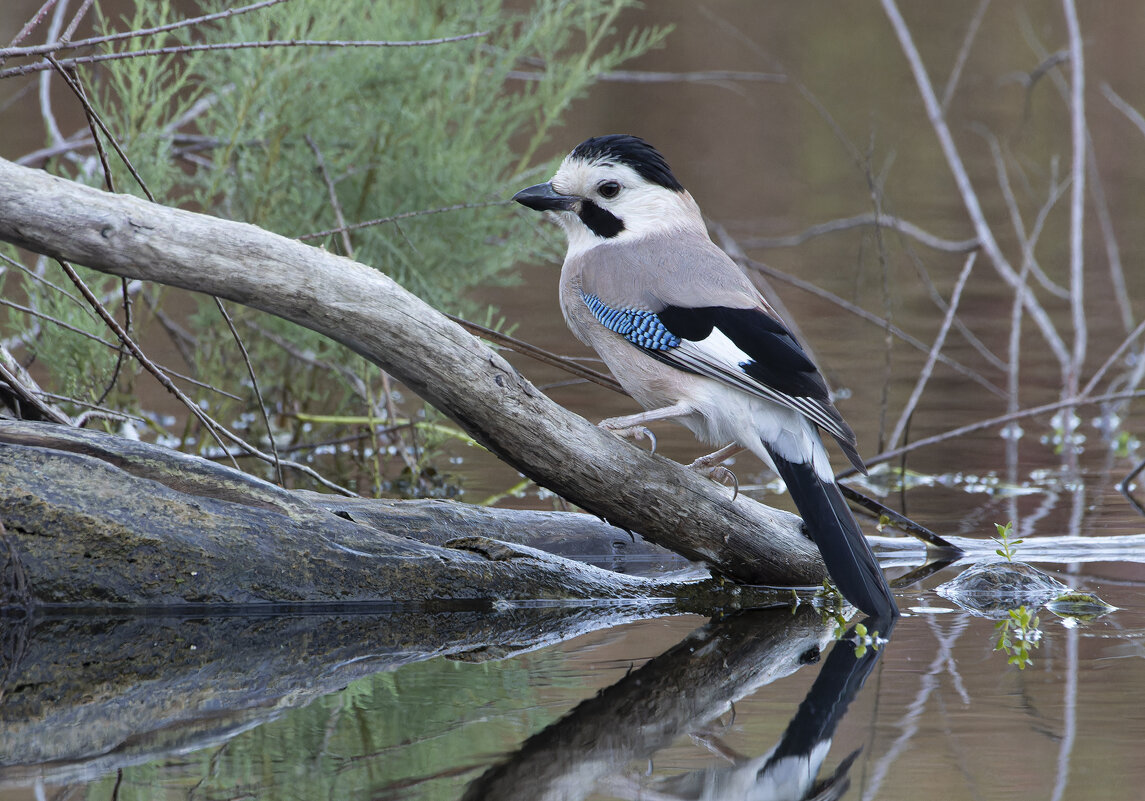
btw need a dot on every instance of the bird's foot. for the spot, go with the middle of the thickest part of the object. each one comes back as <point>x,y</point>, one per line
<point>621,428</point>
<point>712,467</point>
<point>717,473</point>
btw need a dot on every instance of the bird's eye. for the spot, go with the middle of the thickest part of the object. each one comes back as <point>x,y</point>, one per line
<point>609,189</point>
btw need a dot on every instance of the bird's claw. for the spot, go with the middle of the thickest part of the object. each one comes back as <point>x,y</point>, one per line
<point>717,473</point>
<point>637,432</point>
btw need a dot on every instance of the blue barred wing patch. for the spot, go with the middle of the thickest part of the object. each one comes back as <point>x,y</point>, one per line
<point>643,328</point>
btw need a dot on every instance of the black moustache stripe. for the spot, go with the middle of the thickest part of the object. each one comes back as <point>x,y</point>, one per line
<point>601,222</point>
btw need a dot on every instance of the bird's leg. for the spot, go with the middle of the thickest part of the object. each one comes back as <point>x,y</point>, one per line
<point>711,466</point>
<point>714,459</point>
<point>633,425</point>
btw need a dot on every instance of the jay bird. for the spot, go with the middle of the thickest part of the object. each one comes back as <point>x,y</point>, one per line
<point>688,335</point>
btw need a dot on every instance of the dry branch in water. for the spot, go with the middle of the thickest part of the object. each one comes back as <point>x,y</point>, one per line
<point>369,313</point>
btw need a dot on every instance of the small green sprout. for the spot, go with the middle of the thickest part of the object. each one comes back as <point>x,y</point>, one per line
<point>1009,546</point>
<point>865,639</point>
<point>1017,635</point>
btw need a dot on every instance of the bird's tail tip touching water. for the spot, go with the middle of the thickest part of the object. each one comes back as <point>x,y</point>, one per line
<point>841,542</point>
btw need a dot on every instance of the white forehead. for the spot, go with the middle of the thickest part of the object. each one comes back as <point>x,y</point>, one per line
<point>577,176</point>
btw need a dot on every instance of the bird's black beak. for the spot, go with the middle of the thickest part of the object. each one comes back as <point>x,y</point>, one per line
<point>543,197</point>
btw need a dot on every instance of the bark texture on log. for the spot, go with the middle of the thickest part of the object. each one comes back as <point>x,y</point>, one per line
<point>366,311</point>
<point>163,528</point>
<point>93,519</point>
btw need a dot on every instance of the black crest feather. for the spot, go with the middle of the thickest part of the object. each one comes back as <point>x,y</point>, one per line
<point>633,152</point>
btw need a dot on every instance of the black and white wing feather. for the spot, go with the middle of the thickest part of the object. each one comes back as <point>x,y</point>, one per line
<point>746,348</point>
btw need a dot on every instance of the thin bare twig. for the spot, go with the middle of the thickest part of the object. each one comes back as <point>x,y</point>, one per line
<point>94,121</point>
<point>1000,420</point>
<point>963,54</point>
<point>58,322</point>
<point>110,321</point>
<point>100,411</point>
<point>1113,357</point>
<point>935,349</point>
<point>940,303</point>
<point>701,76</point>
<point>254,385</point>
<point>26,390</point>
<point>859,221</point>
<point>55,135</point>
<point>1027,240</point>
<point>862,313</point>
<point>541,355</point>
<point>1100,203</point>
<point>403,216</point>
<point>12,72</point>
<point>1013,382</point>
<point>76,19</point>
<point>387,386</point>
<point>332,192</point>
<point>52,47</point>
<point>1108,236</point>
<point>35,20</point>
<point>1134,116</point>
<point>407,454</point>
<point>903,523</point>
<point>32,274</point>
<point>214,428</point>
<point>109,345</point>
<point>73,143</point>
<point>651,76</point>
<point>354,381</point>
<point>74,85</point>
<point>966,189</point>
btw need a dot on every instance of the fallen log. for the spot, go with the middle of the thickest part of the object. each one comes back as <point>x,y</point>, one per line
<point>369,313</point>
<point>91,519</point>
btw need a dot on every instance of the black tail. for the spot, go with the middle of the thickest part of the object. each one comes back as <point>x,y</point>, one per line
<point>840,540</point>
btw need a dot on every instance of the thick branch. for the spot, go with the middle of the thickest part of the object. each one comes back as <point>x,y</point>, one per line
<point>369,313</point>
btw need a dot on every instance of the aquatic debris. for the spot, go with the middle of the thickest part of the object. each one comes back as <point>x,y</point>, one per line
<point>1080,607</point>
<point>992,589</point>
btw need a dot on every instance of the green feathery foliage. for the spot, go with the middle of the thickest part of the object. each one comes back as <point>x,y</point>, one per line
<point>303,139</point>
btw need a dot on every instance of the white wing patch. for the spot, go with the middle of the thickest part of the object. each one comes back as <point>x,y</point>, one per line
<point>716,356</point>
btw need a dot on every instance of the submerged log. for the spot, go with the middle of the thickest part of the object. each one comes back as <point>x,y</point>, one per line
<point>93,519</point>
<point>369,313</point>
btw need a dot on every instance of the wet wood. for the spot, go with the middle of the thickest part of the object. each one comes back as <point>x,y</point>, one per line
<point>90,519</point>
<point>366,311</point>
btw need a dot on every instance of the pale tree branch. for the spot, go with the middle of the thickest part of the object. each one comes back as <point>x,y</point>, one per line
<point>966,189</point>
<point>373,316</point>
<point>1077,198</point>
